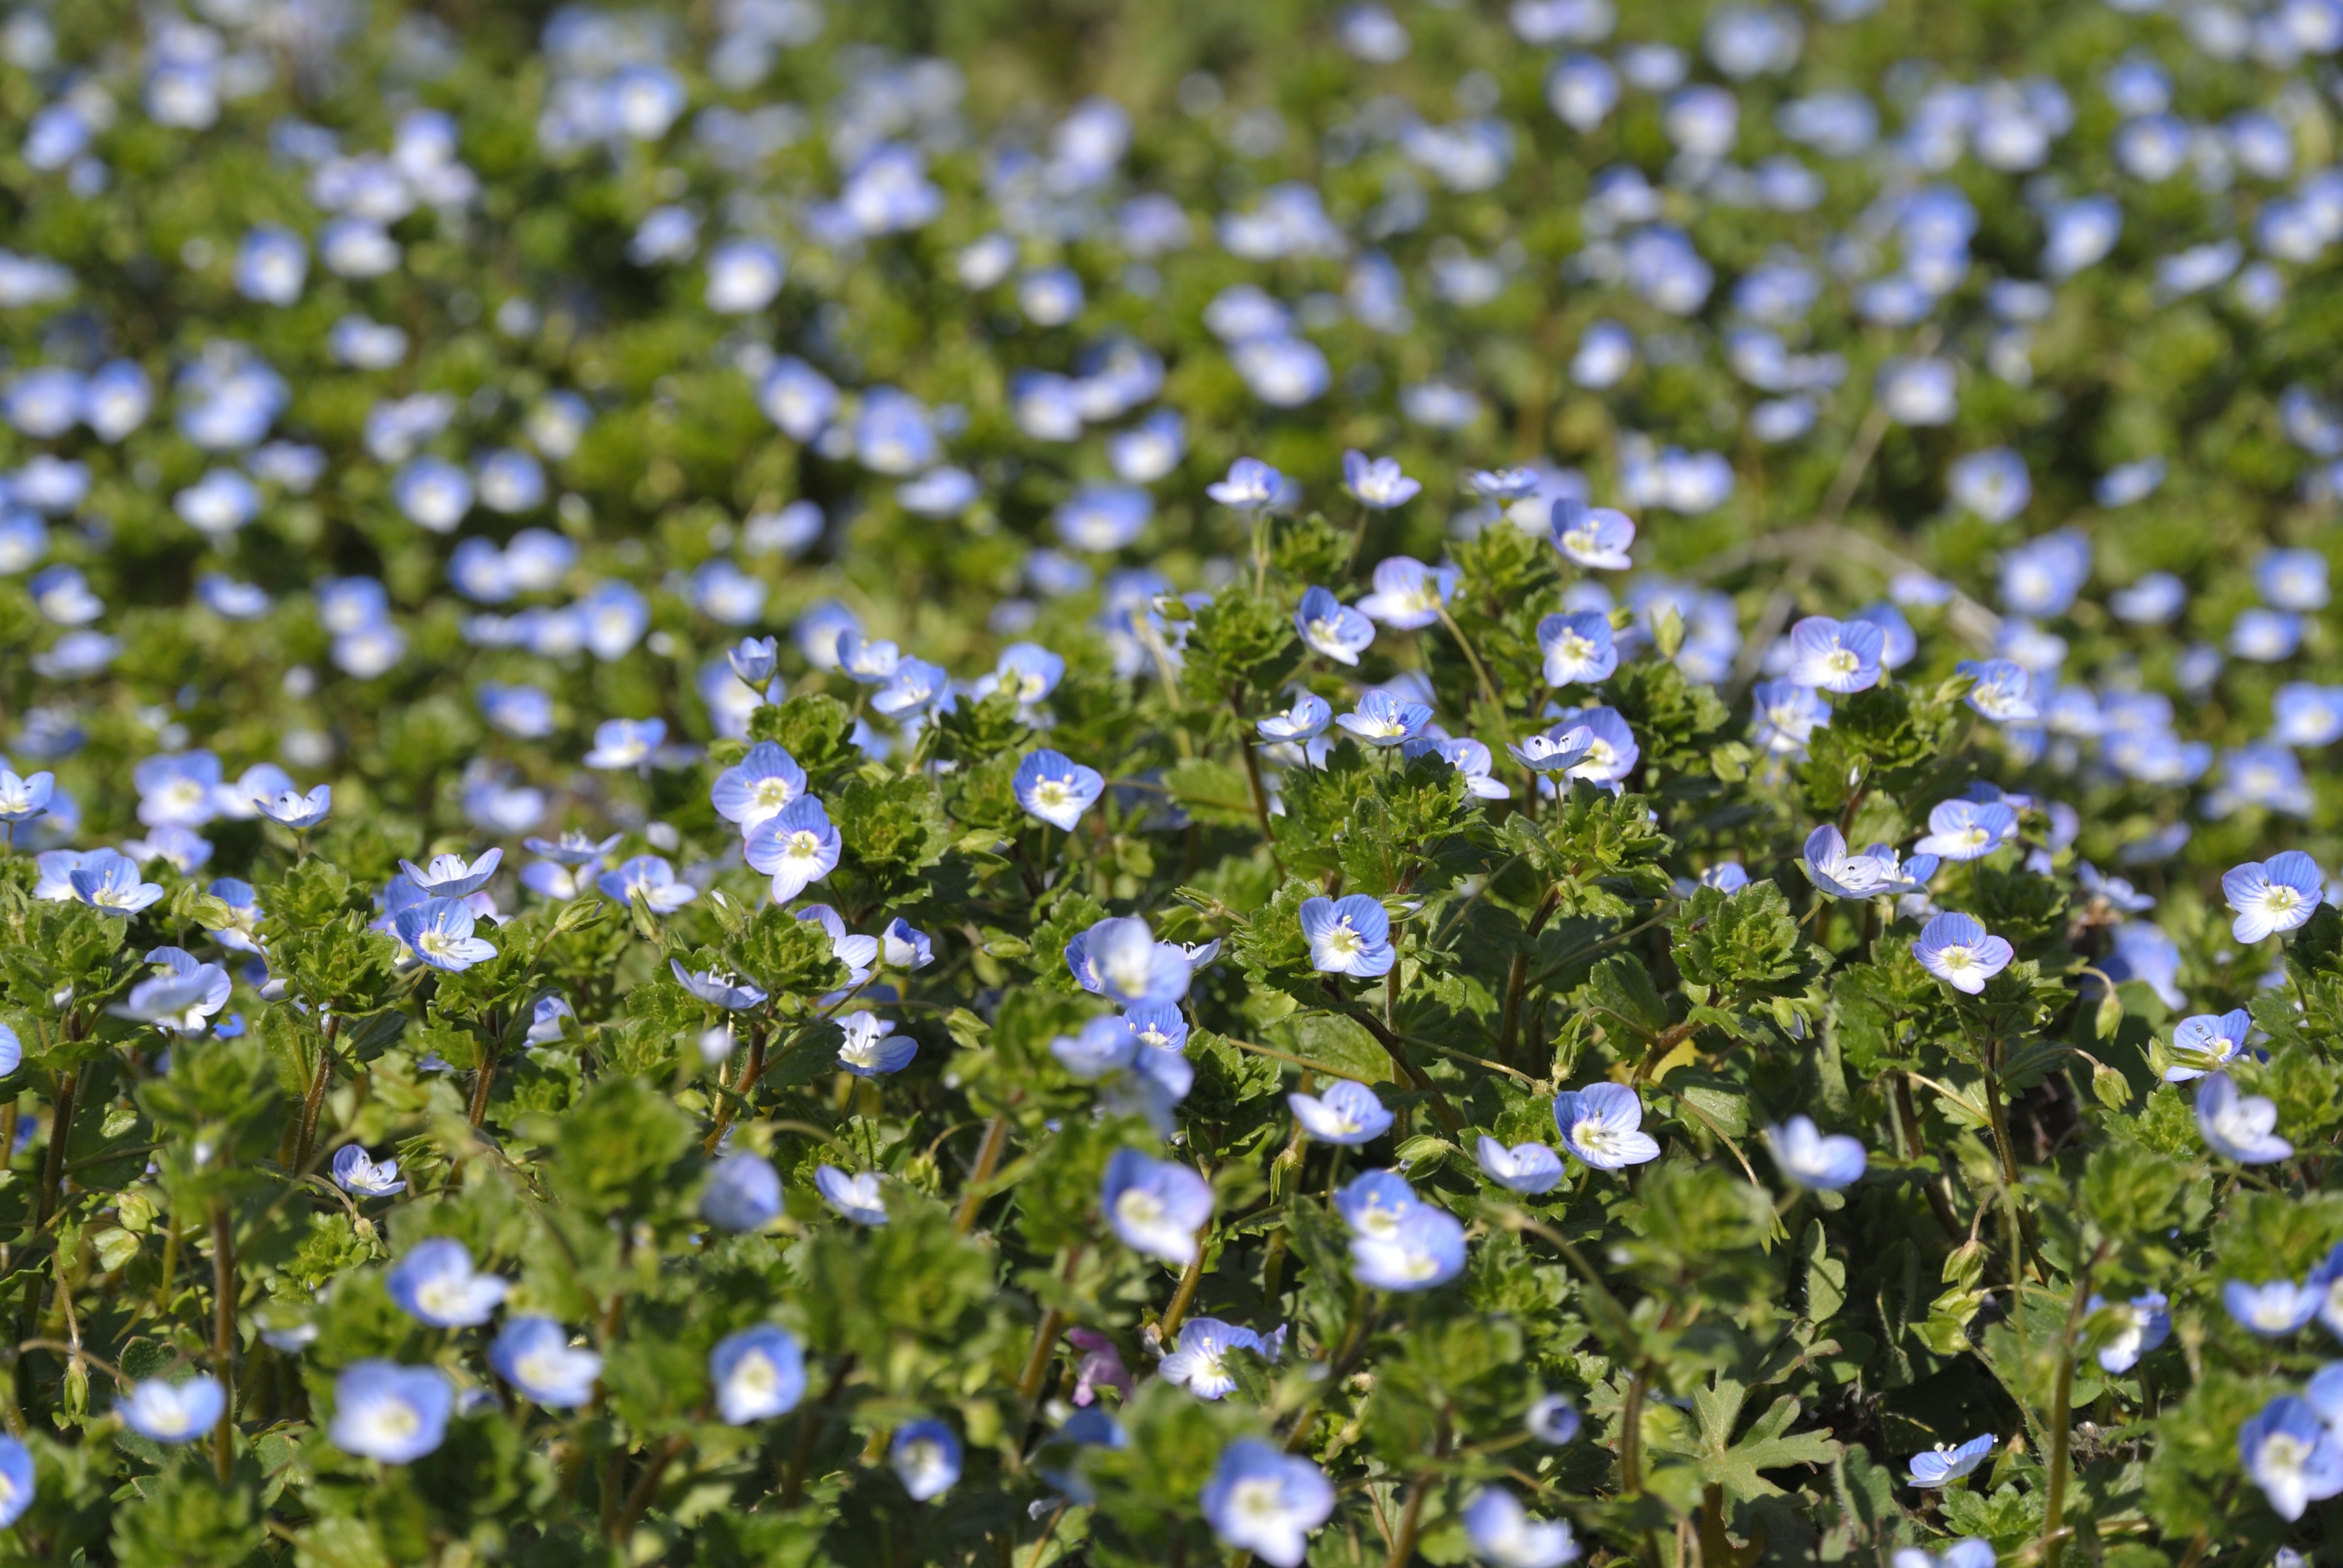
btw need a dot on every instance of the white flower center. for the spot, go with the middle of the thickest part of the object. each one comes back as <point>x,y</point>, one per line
<point>1257,1498</point>
<point>1139,1208</point>
<point>1343,942</point>
<point>804,846</point>
<point>1956,959</point>
<point>1842,661</point>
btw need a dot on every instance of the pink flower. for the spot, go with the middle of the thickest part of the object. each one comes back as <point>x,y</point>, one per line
<point>1101,1366</point>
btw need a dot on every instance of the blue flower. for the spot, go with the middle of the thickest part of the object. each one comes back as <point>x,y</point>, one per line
<point>12,1055</point>
<point>1265,1501</point>
<point>903,946</point>
<point>620,743</point>
<point>356,1171</point>
<point>1579,649</point>
<point>435,1282</point>
<point>2142,1324</point>
<point>1806,1156</point>
<point>1959,951</point>
<point>535,1355</point>
<point>717,990</point>
<point>1506,1536</point>
<point>292,808</point>
<point>173,1412</point>
<point>1382,720</point>
<point>1424,1249</point>
<point>451,877</point>
<point>1993,484</point>
<point>2288,1451</point>
<point>1306,721</point>
<point>1553,1419</point>
<point>796,846</point>
<point>926,1456</point>
<point>2271,896</point>
<point>915,686</point>
<point>1967,829</point>
<point>857,1197</point>
<point>1155,1206</point>
<point>869,1050</point>
<point>17,1486</point>
<point>2243,1127</point>
<point>1138,1079</point>
<point>655,879</point>
<point>1555,750</point>
<point>1349,936</point>
<point>2292,579</point>
<point>2272,1310</point>
<point>1201,1363</point>
<point>1377,483</point>
<point>390,1412</point>
<point>439,932</point>
<point>107,882</point>
<point>1347,1113</point>
<point>743,1194</point>
<point>1941,1465</point>
<point>1373,1202</point>
<point>1836,656</point>
<point>1103,518</point>
<point>1253,487</point>
<point>1612,751</point>
<point>433,493</point>
<point>1119,958</point>
<point>2206,1042</point>
<point>179,1000</point>
<point>755,789</point>
<point>743,275</point>
<point>1470,757</point>
<point>1330,628</point>
<point>1408,594</point>
<point>1602,1125</point>
<point>1524,1168</point>
<point>758,1373</point>
<point>1055,788</point>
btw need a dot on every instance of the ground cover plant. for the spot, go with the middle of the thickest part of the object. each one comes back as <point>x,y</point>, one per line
<point>1026,782</point>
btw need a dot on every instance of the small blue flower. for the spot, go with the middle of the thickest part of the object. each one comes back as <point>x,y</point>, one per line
<point>2142,1324</point>
<point>1504,1536</point>
<point>926,1457</point>
<point>1580,650</point>
<point>2274,1309</point>
<point>1553,1419</point>
<point>18,1487</point>
<point>1373,1202</point>
<point>1594,537</point>
<point>1265,1501</point>
<point>1347,1113</point>
<point>724,990</point>
<point>1524,1168</point>
<point>2243,1127</point>
<point>2292,1455</point>
<point>655,879</point>
<point>1408,594</point>
<point>2292,579</point>
<point>435,1282</point>
<point>535,1355</point>
<point>1941,1465</point>
<point>109,883</point>
<point>869,1050</point>
<point>1253,487</point>
<point>2206,1042</point>
<point>2271,896</point>
<point>1347,936</point>
<point>1057,790</point>
<point>1555,750</point>
<point>173,1412</point>
<point>752,659</point>
<point>1962,953</point>
<point>1835,655</point>
<point>903,946</point>
<point>390,1412</point>
<point>758,1373</point>
<point>743,1194</point>
<point>2003,692</point>
<point>1201,1363</point>
<point>755,789</point>
<point>1155,1206</point>
<point>796,846</point>
<point>1330,628</point>
<point>1119,958</point>
<point>1602,1125</point>
<point>1967,829</point>
<point>1382,720</point>
<point>1425,1248</point>
<point>621,743</point>
<point>1306,721</point>
<point>857,1197</point>
<point>1810,1158</point>
<point>356,1171</point>
<point>1377,483</point>
<point>439,932</point>
<point>291,809</point>
<point>451,877</point>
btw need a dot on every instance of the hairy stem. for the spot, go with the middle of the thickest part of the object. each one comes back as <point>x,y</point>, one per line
<point>987,1160</point>
<point>223,1336</point>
